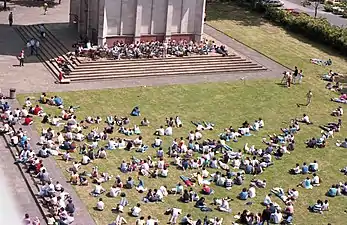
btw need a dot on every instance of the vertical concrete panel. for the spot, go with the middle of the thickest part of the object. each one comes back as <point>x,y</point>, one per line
<point>176,16</point>
<point>129,9</point>
<point>199,19</point>
<point>191,16</point>
<point>146,16</point>
<point>185,16</point>
<point>113,16</point>
<point>159,16</point>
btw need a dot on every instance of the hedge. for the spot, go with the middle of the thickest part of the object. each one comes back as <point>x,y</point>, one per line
<point>316,29</point>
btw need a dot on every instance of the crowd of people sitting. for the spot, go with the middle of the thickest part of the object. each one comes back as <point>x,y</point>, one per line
<point>52,194</point>
<point>230,166</point>
<point>150,49</point>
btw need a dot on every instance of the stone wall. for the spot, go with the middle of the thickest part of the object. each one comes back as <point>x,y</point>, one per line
<point>141,19</point>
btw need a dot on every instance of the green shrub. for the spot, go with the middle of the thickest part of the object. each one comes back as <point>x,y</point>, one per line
<point>318,29</point>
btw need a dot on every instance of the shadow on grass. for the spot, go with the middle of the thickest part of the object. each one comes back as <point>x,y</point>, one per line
<point>230,11</point>
<point>245,17</point>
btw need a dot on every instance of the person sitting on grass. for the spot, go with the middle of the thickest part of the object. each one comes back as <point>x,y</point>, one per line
<point>306,183</point>
<point>305,119</point>
<point>296,170</point>
<point>342,144</point>
<point>98,190</point>
<point>157,143</point>
<point>100,205</point>
<point>225,207</point>
<point>200,203</point>
<point>136,210</point>
<point>337,112</point>
<point>243,194</point>
<point>207,190</point>
<point>135,111</point>
<point>316,208</point>
<point>145,122</point>
<point>332,191</point>
<point>28,120</point>
<point>313,167</point>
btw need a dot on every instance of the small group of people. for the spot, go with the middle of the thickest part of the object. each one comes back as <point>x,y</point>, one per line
<point>294,77</point>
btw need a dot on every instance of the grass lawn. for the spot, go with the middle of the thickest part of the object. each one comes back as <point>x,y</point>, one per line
<point>227,104</point>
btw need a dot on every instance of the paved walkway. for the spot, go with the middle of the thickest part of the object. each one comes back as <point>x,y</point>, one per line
<point>16,199</point>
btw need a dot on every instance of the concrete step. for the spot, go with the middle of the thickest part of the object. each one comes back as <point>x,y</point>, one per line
<point>140,61</point>
<point>43,56</point>
<point>165,71</point>
<point>162,63</point>
<point>50,44</point>
<point>206,72</point>
<point>144,69</point>
<point>44,51</point>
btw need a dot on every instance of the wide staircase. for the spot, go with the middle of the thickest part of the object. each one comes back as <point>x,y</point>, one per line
<point>82,70</point>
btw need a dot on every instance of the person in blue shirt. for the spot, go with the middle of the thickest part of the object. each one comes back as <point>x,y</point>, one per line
<point>332,191</point>
<point>57,101</point>
<point>244,194</point>
<point>307,183</point>
<point>135,111</point>
<point>304,169</point>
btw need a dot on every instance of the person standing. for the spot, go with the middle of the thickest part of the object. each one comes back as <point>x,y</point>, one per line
<point>266,215</point>
<point>309,97</point>
<point>45,8</point>
<point>295,75</point>
<point>300,76</point>
<point>21,58</point>
<point>37,47</point>
<point>10,19</point>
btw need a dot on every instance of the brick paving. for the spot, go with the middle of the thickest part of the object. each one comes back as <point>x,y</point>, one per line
<point>34,77</point>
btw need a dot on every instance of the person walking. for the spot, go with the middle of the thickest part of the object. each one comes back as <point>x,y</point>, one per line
<point>21,58</point>
<point>295,75</point>
<point>37,47</point>
<point>309,97</point>
<point>10,19</point>
<point>45,8</point>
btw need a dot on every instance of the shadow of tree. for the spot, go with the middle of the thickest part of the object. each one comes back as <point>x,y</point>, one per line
<point>229,11</point>
<point>242,16</point>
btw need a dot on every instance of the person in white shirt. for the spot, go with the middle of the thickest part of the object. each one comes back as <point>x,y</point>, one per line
<point>267,199</point>
<point>315,180</point>
<point>102,154</point>
<point>224,207</point>
<point>160,131</point>
<point>85,160</point>
<point>100,205</point>
<point>98,189</point>
<point>198,135</point>
<point>276,217</point>
<point>24,112</point>
<point>261,123</point>
<point>305,119</point>
<point>157,142</point>
<point>204,173</point>
<point>178,122</point>
<point>151,221</point>
<point>79,136</point>
<point>168,131</point>
<point>175,212</point>
<point>136,210</point>
<point>251,191</point>
<point>114,191</point>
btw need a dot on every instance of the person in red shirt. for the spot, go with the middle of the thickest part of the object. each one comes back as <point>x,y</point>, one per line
<point>37,110</point>
<point>28,120</point>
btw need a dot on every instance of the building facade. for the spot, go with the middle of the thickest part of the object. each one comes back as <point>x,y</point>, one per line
<point>138,20</point>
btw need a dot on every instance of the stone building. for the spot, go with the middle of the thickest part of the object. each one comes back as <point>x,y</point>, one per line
<point>135,20</point>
